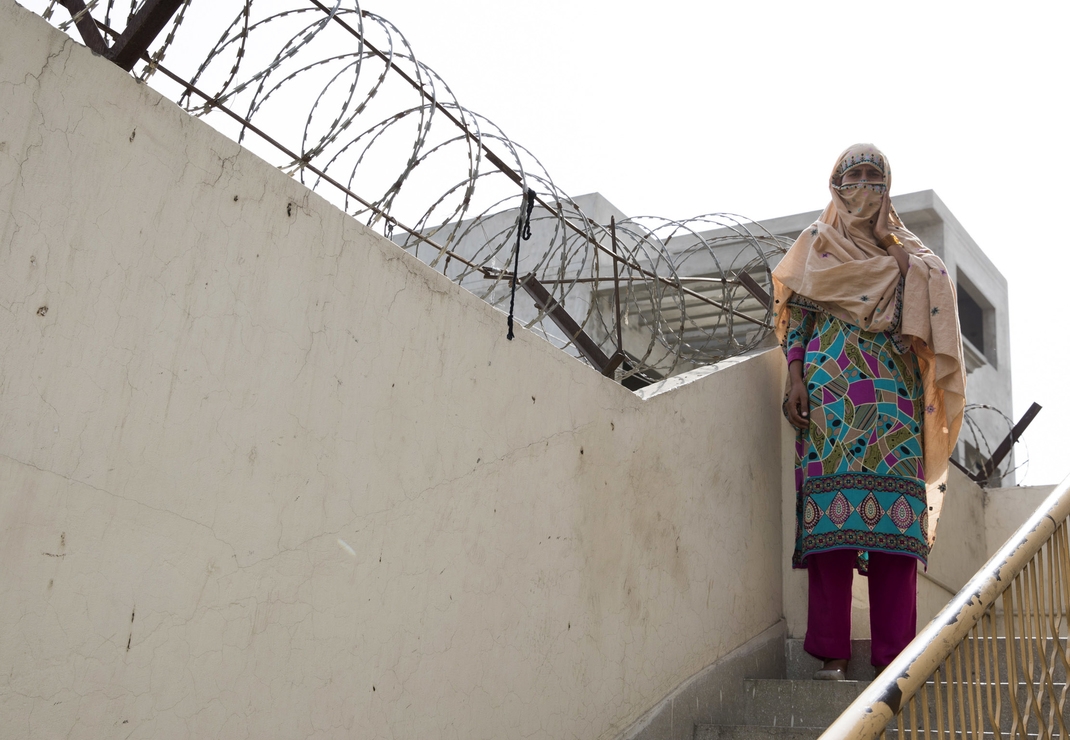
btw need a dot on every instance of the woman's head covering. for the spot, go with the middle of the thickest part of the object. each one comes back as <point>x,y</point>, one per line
<point>837,264</point>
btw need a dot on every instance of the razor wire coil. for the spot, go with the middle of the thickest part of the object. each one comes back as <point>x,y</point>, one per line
<point>334,96</point>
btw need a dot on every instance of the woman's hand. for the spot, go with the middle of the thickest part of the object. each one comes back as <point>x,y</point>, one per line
<point>900,257</point>
<point>882,227</point>
<point>798,403</point>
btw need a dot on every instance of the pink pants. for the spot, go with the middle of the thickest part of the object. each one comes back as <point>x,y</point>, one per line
<point>893,599</point>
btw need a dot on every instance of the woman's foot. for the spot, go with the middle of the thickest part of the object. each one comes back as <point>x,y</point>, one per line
<point>832,670</point>
<point>878,670</point>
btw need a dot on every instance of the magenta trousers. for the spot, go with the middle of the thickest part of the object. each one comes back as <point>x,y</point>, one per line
<point>893,604</point>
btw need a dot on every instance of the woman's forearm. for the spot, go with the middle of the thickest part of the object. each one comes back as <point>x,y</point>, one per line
<point>900,258</point>
<point>795,370</point>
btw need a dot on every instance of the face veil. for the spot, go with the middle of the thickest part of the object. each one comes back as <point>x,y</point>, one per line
<point>855,206</point>
<point>863,201</point>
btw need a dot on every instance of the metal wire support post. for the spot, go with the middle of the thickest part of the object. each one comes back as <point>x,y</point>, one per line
<point>618,356</point>
<point>141,30</point>
<point>523,231</point>
<point>616,279</point>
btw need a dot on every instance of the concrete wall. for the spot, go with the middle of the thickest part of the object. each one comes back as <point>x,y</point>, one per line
<point>1006,509</point>
<point>961,546</point>
<point>263,474</point>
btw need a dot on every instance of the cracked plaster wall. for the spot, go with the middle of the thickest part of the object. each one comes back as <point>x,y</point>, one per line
<point>262,474</point>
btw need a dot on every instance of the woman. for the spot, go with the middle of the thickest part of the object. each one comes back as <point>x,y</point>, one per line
<point>867,318</point>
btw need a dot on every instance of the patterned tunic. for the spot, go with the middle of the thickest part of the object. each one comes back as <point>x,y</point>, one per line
<point>858,468</point>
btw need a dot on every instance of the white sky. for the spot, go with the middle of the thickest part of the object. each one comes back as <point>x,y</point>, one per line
<point>682,108</point>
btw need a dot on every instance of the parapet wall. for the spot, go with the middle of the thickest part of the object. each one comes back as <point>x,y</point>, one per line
<point>263,474</point>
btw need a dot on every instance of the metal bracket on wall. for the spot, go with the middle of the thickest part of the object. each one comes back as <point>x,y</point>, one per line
<point>144,26</point>
<point>753,288</point>
<point>564,321</point>
<point>557,313</point>
<point>990,466</point>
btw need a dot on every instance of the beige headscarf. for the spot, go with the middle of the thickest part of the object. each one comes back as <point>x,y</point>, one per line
<point>837,264</point>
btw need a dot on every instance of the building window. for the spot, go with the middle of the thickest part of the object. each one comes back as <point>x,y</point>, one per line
<point>977,319</point>
<point>971,319</point>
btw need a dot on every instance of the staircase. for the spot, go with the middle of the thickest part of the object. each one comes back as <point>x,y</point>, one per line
<point>795,707</point>
<point>799,708</point>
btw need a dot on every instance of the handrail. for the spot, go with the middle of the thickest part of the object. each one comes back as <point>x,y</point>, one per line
<point>950,680</point>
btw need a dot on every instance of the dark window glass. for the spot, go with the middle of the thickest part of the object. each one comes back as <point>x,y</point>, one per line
<point>971,319</point>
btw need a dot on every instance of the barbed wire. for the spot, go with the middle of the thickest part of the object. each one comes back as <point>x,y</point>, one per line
<point>335,96</point>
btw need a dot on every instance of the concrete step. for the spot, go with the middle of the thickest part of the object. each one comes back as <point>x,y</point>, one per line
<point>801,665</point>
<point>747,732</point>
<point>774,703</point>
<point>786,709</point>
<point>803,703</point>
<point>799,708</point>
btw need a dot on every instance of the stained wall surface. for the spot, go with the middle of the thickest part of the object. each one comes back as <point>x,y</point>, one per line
<point>262,474</point>
<point>1006,509</point>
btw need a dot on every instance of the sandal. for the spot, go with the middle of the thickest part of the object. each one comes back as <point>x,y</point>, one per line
<point>832,670</point>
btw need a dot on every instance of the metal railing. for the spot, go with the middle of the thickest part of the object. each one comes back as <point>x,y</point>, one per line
<point>994,662</point>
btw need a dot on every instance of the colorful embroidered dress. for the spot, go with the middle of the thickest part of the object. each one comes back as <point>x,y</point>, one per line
<point>859,476</point>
